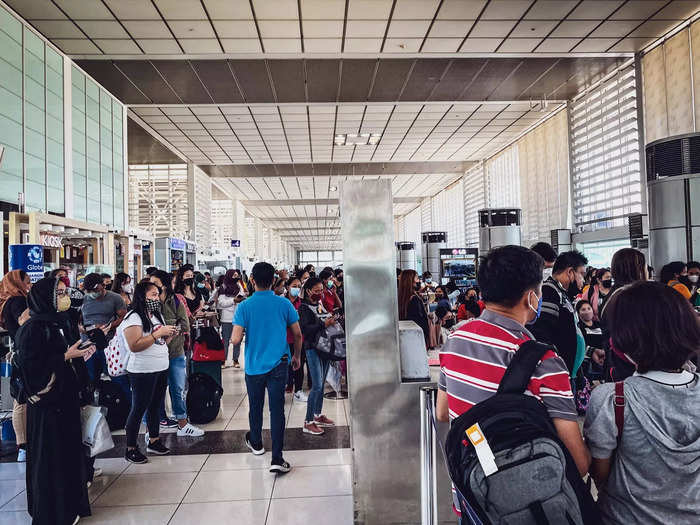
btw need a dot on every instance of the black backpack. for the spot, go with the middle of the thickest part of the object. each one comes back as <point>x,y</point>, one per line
<point>116,401</point>
<point>537,480</point>
<point>203,398</point>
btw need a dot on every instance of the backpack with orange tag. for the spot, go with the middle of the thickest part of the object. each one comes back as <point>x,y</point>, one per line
<point>507,462</point>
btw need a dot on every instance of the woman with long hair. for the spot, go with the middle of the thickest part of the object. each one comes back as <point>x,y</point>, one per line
<point>57,469</point>
<point>185,286</point>
<point>14,289</point>
<point>226,298</point>
<point>599,290</point>
<point>147,336</point>
<point>123,286</point>
<point>644,433</point>
<point>411,307</point>
<point>313,319</point>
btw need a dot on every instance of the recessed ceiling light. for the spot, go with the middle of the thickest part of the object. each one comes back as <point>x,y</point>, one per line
<point>357,139</point>
<point>333,188</point>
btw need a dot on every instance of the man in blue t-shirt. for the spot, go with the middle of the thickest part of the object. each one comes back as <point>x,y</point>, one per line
<point>265,317</point>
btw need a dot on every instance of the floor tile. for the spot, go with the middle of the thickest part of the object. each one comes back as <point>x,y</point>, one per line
<point>13,471</point>
<point>166,464</point>
<point>19,502</point>
<point>146,489</point>
<point>15,518</point>
<point>99,485</point>
<point>133,515</point>
<point>231,485</point>
<point>9,488</point>
<point>317,458</point>
<point>304,482</point>
<point>112,466</point>
<point>223,512</point>
<point>244,461</point>
<point>337,510</point>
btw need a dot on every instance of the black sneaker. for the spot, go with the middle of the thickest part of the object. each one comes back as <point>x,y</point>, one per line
<point>168,423</point>
<point>157,447</point>
<point>280,466</point>
<point>256,449</point>
<point>134,455</point>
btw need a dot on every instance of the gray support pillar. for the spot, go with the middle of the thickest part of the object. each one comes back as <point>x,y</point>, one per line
<point>191,207</point>
<point>384,413</point>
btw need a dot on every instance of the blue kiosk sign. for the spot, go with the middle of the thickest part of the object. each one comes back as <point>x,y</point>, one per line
<point>28,257</point>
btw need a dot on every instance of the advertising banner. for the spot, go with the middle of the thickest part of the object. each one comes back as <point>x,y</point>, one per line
<point>28,257</point>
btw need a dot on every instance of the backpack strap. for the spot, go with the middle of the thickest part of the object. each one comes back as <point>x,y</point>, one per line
<point>619,402</point>
<point>522,366</point>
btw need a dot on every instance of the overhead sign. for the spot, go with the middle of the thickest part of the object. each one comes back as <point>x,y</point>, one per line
<point>50,241</point>
<point>191,246</point>
<point>235,243</point>
<point>177,244</point>
<point>28,257</point>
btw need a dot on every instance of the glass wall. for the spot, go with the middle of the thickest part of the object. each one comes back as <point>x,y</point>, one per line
<point>98,153</point>
<point>31,118</point>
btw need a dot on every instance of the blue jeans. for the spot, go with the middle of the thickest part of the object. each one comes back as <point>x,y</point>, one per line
<point>275,381</point>
<point>177,378</point>
<point>318,370</point>
<point>226,331</point>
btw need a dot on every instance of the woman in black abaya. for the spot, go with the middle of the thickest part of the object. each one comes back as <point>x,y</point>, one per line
<point>56,462</point>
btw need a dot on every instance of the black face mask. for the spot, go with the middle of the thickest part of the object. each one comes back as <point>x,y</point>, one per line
<point>573,290</point>
<point>607,283</point>
<point>188,282</point>
<point>417,286</point>
<point>450,323</point>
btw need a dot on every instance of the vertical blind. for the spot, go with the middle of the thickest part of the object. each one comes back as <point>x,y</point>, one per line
<point>474,187</point>
<point>502,179</point>
<point>448,214</point>
<point>605,154</point>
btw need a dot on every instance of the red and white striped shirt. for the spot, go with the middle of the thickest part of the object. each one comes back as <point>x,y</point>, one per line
<point>475,357</point>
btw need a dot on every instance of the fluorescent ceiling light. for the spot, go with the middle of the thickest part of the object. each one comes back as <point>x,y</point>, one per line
<point>355,139</point>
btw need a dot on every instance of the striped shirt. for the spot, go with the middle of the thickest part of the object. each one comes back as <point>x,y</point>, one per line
<point>475,357</point>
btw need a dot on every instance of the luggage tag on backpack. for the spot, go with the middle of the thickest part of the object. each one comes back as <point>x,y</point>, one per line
<point>483,450</point>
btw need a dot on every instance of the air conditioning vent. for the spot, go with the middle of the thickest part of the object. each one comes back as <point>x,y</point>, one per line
<point>673,156</point>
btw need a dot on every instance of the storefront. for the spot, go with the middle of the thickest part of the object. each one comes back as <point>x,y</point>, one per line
<point>134,252</point>
<point>77,246</point>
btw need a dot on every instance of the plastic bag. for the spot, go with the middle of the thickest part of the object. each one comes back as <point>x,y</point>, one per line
<point>96,434</point>
<point>334,376</point>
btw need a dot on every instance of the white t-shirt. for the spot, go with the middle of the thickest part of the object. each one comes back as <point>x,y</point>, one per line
<point>152,359</point>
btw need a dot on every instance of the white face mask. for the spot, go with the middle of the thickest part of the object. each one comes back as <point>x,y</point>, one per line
<point>546,273</point>
<point>693,278</point>
<point>128,288</point>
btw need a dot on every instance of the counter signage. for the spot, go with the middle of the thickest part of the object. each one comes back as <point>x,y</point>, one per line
<point>28,257</point>
<point>191,247</point>
<point>177,244</point>
<point>235,243</point>
<point>50,241</point>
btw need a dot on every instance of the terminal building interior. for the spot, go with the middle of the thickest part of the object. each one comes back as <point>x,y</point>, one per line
<point>371,137</point>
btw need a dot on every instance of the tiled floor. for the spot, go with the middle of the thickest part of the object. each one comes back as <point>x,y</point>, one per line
<point>213,488</point>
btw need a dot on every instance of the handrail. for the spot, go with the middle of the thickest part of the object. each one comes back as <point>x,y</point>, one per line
<point>428,457</point>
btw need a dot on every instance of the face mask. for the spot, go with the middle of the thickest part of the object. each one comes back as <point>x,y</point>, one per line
<point>94,295</point>
<point>546,273</point>
<point>417,286</point>
<point>188,282</point>
<point>200,285</point>
<point>586,316</point>
<point>294,292</point>
<point>693,278</point>
<point>153,306</point>
<point>329,284</point>
<point>66,281</point>
<point>63,303</point>
<point>316,297</point>
<point>428,280</point>
<point>538,310</point>
<point>128,288</point>
<point>450,323</point>
<point>607,283</point>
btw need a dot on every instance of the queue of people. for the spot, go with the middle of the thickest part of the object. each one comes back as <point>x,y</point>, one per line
<point>636,343</point>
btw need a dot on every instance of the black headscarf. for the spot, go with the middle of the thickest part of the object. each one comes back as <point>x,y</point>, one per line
<point>43,301</point>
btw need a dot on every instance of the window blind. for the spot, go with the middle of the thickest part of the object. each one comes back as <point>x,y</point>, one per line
<point>474,188</point>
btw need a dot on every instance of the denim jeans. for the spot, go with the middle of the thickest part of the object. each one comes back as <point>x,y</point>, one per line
<point>275,381</point>
<point>226,331</point>
<point>318,370</point>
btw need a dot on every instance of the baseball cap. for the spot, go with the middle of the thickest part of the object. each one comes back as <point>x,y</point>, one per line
<point>92,280</point>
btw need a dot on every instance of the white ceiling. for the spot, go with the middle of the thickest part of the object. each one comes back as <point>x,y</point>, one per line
<point>303,133</point>
<point>210,27</point>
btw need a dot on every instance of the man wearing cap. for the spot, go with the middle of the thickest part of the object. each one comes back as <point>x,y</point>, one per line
<point>103,310</point>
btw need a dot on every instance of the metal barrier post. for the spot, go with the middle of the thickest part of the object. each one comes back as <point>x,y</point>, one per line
<point>428,456</point>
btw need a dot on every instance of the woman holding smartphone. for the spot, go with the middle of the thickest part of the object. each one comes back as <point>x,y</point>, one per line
<point>57,470</point>
<point>147,336</point>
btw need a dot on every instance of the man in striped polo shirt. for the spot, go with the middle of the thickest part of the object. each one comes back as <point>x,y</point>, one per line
<point>475,357</point>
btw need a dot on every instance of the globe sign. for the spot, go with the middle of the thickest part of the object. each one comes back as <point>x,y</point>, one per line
<point>35,255</point>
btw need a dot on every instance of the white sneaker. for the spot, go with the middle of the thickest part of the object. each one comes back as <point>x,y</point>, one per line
<point>22,455</point>
<point>97,472</point>
<point>189,430</point>
<point>300,396</point>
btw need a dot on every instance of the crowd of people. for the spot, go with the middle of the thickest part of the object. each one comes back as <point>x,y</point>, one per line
<point>60,330</point>
<point>605,327</point>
